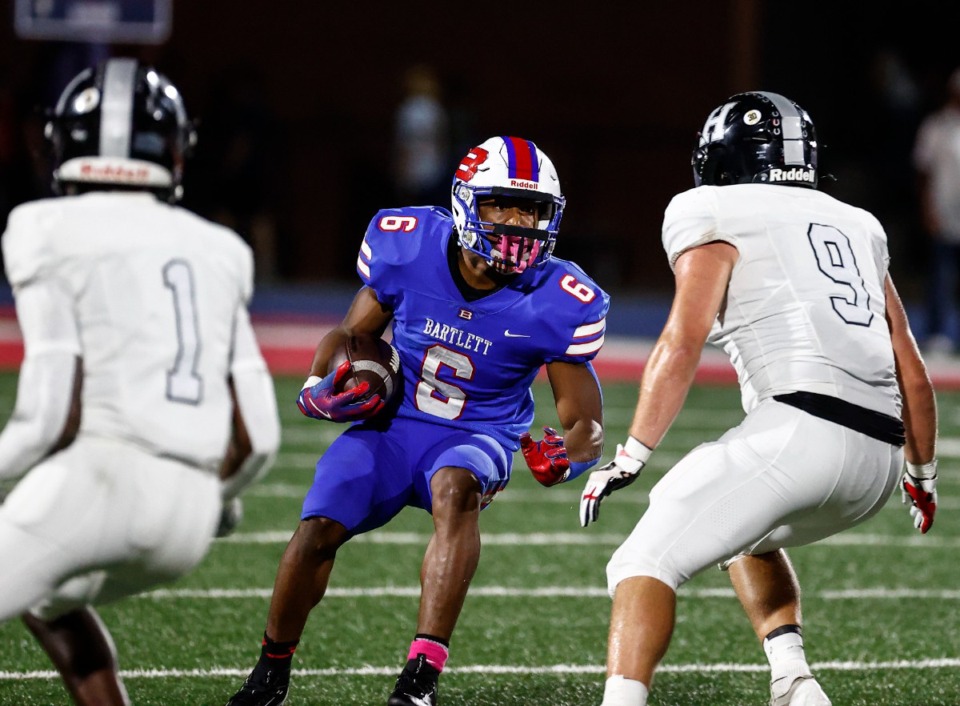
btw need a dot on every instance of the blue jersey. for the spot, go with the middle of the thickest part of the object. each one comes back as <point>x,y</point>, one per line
<point>470,364</point>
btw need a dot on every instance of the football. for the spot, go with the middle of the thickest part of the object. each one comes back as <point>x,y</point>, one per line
<point>372,360</point>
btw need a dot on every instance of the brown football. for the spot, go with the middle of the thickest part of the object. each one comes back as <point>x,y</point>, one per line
<point>372,360</point>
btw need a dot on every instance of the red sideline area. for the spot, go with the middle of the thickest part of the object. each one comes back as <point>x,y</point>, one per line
<point>288,348</point>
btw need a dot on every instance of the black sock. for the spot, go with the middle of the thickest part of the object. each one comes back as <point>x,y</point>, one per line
<point>783,630</point>
<point>277,656</point>
<point>432,638</point>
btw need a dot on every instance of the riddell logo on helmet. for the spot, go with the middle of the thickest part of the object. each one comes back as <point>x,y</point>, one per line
<point>114,172</point>
<point>795,174</point>
<point>524,184</point>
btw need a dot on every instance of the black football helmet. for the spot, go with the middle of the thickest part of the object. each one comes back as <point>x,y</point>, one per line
<point>123,125</point>
<point>756,138</point>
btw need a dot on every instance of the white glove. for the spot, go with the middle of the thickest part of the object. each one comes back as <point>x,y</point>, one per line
<point>230,516</point>
<point>620,472</point>
<point>919,488</point>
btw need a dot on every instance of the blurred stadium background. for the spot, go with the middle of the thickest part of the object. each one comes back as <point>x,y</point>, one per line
<point>298,103</point>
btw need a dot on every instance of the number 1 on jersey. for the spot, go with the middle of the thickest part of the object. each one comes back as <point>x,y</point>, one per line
<point>183,382</point>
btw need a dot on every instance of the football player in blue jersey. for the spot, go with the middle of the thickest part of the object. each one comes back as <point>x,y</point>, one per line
<point>477,305</point>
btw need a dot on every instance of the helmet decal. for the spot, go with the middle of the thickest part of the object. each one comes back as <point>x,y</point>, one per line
<point>713,127</point>
<point>792,130</point>
<point>116,113</point>
<point>522,162</point>
<point>468,165</point>
<point>86,101</point>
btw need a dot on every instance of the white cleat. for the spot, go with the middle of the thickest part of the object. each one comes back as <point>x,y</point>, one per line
<point>803,691</point>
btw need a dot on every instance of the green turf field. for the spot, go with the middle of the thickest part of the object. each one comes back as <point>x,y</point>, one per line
<point>882,625</point>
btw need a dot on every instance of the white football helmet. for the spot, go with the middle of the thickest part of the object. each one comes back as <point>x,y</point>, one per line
<point>514,167</point>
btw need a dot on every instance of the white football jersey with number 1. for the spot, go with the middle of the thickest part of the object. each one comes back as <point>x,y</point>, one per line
<point>805,307</point>
<point>156,292</point>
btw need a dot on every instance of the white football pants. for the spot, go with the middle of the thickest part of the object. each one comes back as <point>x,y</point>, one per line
<point>98,521</point>
<point>782,478</point>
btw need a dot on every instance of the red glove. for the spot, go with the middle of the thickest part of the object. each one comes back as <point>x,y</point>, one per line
<point>546,459</point>
<point>318,400</point>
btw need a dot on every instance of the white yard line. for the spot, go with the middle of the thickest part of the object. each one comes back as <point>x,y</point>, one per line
<point>553,496</point>
<point>948,446</point>
<point>849,666</point>
<point>545,592</point>
<point>588,537</point>
<point>557,496</point>
<point>419,538</point>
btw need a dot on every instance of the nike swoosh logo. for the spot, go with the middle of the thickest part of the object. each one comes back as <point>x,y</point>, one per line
<point>320,411</point>
<point>514,335</point>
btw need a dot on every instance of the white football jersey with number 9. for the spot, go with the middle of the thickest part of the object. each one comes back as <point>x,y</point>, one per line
<point>805,307</point>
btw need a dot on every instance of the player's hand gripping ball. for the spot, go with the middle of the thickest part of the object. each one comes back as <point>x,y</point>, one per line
<point>364,377</point>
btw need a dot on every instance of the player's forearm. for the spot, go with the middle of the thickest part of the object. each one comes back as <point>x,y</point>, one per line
<point>22,444</point>
<point>584,441</point>
<point>366,315</point>
<point>919,419</point>
<point>40,414</point>
<point>702,275</point>
<point>666,380</point>
<point>919,402</point>
<point>260,426</point>
<point>328,346</point>
<point>254,467</point>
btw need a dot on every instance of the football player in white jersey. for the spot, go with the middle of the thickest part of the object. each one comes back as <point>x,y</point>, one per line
<point>794,286</point>
<point>144,405</point>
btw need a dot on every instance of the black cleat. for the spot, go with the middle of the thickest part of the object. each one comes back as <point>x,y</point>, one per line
<point>264,687</point>
<point>416,685</point>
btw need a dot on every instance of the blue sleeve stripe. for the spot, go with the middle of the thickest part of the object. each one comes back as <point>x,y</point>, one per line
<point>579,467</point>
